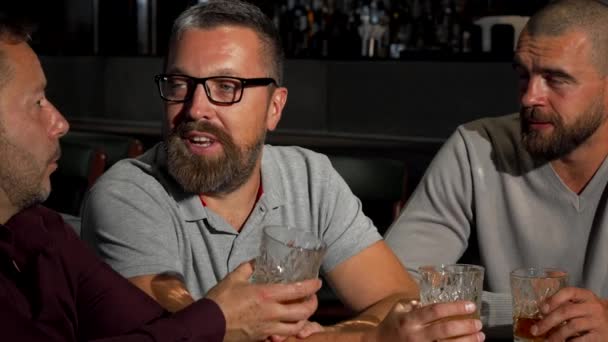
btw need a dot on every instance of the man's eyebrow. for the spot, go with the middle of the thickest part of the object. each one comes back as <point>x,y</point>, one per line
<point>219,72</point>
<point>551,71</point>
<point>559,72</point>
<point>175,70</point>
<point>225,72</point>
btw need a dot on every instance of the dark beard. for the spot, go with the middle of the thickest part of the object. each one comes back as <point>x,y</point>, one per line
<point>564,139</point>
<point>210,175</point>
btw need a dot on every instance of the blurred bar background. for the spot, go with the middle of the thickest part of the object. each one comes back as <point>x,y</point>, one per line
<point>385,78</point>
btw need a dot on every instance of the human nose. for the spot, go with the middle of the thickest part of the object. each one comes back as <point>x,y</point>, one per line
<point>58,126</point>
<point>533,92</point>
<point>200,105</point>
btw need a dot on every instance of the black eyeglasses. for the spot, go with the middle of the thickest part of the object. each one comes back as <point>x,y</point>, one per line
<point>219,89</point>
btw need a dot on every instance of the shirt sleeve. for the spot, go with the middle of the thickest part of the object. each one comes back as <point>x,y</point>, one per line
<point>122,221</point>
<point>435,225</point>
<point>110,308</point>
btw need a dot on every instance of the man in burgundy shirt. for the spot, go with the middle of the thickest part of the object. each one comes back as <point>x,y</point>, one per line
<point>52,288</point>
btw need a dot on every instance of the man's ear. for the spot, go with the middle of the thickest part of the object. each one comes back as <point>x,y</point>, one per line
<point>275,108</point>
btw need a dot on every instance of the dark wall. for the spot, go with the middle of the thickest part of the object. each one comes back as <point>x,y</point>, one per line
<point>414,99</point>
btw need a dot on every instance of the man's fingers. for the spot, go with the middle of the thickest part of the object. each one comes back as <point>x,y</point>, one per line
<point>477,337</point>
<point>296,311</point>
<point>567,295</point>
<point>452,328</point>
<point>277,338</point>
<point>293,291</point>
<point>434,312</point>
<point>566,312</point>
<point>588,337</point>
<point>286,328</point>
<point>309,329</point>
<point>571,328</point>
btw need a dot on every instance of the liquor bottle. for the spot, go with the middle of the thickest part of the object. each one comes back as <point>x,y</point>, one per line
<point>287,27</point>
<point>379,36</point>
<point>315,27</point>
<point>365,29</point>
<point>443,23</point>
<point>326,26</point>
<point>400,28</point>
<point>300,22</point>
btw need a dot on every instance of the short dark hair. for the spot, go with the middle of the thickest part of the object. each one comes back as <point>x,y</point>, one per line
<point>15,27</point>
<point>217,13</point>
<point>589,16</point>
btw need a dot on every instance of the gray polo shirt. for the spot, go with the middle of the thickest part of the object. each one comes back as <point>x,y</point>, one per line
<point>140,221</point>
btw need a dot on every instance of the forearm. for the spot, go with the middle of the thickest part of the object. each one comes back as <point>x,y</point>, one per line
<point>174,300</point>
<point>183,326</point>
<point>363,327</point>
<point>336,336</point>
<point>168,291</point>
<point>373,315</point>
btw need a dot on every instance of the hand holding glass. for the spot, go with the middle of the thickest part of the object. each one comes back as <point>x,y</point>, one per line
<point>287,255</point>
<point>450,283</point>
<point>530,287</point>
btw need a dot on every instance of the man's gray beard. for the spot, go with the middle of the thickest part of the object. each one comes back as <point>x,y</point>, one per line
<point>562,140</point>
<point>212,175</point>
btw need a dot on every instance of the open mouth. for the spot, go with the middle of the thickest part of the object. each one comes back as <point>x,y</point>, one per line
<point>202,141</point>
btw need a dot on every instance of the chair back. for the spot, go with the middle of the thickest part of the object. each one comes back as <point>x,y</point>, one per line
<point>78,168</point>
<point>116,147</point>
<point>380,184</point>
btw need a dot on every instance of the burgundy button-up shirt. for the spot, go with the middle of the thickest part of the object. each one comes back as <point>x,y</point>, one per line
<point>53,288</point>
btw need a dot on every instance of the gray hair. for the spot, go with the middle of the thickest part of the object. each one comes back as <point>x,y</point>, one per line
<point>563,16</point>
<point>217,13</point>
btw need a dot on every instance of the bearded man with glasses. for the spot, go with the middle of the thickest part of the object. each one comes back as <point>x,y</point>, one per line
<point>186,214</point>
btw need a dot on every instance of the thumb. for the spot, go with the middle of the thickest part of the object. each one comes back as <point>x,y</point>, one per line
<point>243,271</point>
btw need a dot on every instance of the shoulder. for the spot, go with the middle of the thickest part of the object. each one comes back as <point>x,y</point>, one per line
<point>484,138</point>
<point>38,222</point>
<point>151,162</point>
<point>147,171</point>
<point>298,173</point>
<point>294,154</point>
<point>294,160</point>
<point>494,131</point>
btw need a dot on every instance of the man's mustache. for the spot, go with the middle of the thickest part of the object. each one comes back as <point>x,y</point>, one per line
<point>534,114</point>
<point>198,127</point>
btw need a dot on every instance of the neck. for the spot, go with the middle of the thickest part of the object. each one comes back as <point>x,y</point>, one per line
<point>578,167</point>
<point>236,206</point>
